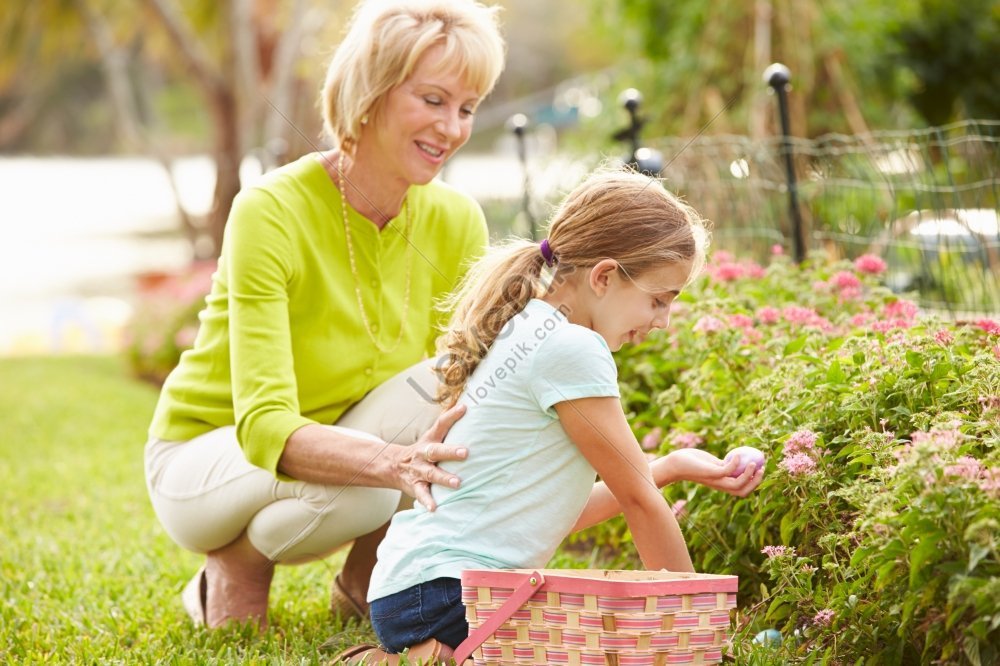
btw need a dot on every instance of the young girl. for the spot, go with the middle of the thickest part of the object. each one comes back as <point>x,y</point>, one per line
<point>533,365</point>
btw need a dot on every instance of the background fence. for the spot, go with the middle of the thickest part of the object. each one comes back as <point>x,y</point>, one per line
<point>926,201</point>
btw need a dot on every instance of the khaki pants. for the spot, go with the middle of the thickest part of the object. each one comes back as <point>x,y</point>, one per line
<point>206,494</point>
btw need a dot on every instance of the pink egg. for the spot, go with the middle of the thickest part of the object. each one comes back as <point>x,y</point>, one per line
<point>747,455</point>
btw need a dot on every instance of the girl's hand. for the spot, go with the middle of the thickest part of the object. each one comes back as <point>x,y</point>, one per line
<point>416,467</point>
<point>704,468</point>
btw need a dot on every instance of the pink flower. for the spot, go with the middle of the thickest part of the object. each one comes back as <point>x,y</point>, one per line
<point>740,321</point>
<point>938,438</point>
<point>845,280</point>
<point>709,324</point>
<point>801,441</point>
<point>861,319</point>
<point>777,250</point>
<point>900,339</point>
<point>798,464</point>
<point>990,483</point>
<point>903,452</point>
<point>823,618</point>
<point>652,439</point>
<point>944,337</point>
<point>678,507</point>
<point>870,263</point>
<point>722,257</point>
<point>886,325</point>
<point>687,440</point>
<point>965,467</point>
<point>151,345</point>
<point>727,272</point>
<point>989,403</point>
<point>901,309</point>
<point>184,338</point>
<point>755,270</point>
<point>795,314</point>
<point>768,315</point>
<point>850,294</point>
<point>996,352</point>
<point>777,551</point>
<point>991,326</point>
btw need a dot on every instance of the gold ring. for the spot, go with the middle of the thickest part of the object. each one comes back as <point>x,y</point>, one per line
<point>427,453</point>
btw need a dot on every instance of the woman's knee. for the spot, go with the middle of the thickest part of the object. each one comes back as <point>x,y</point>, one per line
<point>319,520</point>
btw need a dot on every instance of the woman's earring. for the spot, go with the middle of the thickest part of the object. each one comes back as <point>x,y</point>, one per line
<point>364,119</point>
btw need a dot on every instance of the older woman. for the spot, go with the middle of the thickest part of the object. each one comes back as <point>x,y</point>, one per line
<point>287,430</point>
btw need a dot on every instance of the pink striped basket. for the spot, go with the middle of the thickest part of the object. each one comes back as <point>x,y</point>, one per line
<point>613,618</point>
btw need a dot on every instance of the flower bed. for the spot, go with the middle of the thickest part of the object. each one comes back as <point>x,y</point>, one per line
<point>165,321</point>
<point>875,533</point>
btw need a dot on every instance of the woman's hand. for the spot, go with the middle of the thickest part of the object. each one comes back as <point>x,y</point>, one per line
<point>704,468</point>
<point>416,467</point>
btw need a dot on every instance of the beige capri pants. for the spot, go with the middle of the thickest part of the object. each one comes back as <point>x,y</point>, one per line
<point>206,494</point>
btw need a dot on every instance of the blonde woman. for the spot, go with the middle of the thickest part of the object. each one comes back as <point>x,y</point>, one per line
<point>288,430</point>
<point>533,366</point>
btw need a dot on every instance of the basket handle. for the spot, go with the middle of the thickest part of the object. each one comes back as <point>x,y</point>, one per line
<point>522,593</point>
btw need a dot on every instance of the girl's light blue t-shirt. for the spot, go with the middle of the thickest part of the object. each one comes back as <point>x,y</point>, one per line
<point>524,483</point>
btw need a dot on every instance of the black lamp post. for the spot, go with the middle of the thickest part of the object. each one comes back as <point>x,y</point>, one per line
<point>518,124</point>
<point>643,160</point>
<point>778,77</point>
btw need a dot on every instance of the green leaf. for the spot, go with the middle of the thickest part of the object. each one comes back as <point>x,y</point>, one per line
<point>970,646</point>
<point>914,359</point>
<point>834,374</point>
<point>882,574</point>
<point>977,552</point>
<point>863,458</point>
<point>860,555</point>
<point>908,607</point>
<point>922,553</point>
<point>777,611</point>
<point>796,345</point>
<point>789,522</point>
<point>941,370</point>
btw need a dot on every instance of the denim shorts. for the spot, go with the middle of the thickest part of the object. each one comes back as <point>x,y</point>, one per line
<point>430,610</point>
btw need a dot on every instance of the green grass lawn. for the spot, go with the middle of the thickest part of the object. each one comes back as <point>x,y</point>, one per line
<point>86,573</point>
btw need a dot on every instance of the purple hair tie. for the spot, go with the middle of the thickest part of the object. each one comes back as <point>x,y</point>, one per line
<point>550,258</point>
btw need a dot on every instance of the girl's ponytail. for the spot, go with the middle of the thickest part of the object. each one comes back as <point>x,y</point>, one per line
<point>498,287</point>
<point>612,214</point>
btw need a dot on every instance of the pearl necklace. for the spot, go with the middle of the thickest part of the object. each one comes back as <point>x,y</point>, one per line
<point>354,268</point>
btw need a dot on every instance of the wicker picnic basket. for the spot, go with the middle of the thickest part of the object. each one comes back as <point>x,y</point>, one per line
<point>613,618</point>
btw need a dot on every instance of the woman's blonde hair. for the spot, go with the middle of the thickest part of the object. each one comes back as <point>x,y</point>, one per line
<point>384,42</point>
<point>613,214</point>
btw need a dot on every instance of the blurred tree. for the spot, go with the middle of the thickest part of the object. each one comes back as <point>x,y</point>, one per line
<point>33,35</point>
<point>953,49</point>
<point>701,62</point>
<point>241,55</point>
<point>90,76</point>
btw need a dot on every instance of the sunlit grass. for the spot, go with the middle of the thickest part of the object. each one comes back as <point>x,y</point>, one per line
<point>87,575</point>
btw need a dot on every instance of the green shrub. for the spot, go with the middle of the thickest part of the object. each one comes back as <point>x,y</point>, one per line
<point>874,535</point>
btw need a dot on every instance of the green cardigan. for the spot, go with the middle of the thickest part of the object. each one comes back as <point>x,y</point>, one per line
<point>281,342</point>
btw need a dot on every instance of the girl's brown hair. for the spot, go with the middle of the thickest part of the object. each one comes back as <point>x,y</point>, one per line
<point>613,214</point>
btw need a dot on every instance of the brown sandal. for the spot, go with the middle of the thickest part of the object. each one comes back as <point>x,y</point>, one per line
<point>427,653</point>
<point>364,655</point>
<point>343,604</point>
<point>194,598</point>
